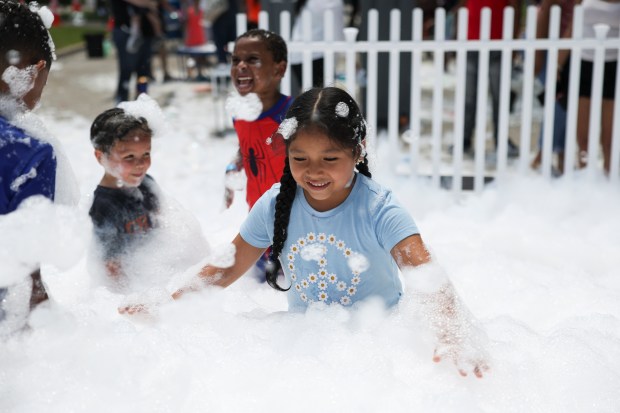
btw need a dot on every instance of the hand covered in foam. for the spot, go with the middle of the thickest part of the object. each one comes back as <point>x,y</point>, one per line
<point>458,338</point>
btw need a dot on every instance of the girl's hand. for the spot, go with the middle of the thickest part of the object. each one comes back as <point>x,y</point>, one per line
<point>132,309</point>
<point>459,339</point>
<point>145,303</point>
<point>465,360</point>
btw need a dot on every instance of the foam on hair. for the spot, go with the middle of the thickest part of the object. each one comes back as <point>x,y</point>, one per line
<point>112,125</point>
<point>24,38</point>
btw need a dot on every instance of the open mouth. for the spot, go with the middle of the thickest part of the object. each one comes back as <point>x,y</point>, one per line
<point>317,185</point>
<point>244,83</point>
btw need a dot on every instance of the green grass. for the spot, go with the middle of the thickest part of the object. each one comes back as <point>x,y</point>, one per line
<point>65,36</point>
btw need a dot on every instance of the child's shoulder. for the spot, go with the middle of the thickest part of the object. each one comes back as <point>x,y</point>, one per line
<point>372,187</point>
<point>375,195</point>
<point>18,144</point>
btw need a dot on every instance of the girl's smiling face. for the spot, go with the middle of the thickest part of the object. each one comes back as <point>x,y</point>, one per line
<point>128,161</point>
<point>322,168</point>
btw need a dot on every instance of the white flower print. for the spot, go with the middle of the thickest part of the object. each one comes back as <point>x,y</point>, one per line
<point>313,250</point>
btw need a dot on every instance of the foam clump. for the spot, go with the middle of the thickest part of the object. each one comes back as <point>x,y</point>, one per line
<point>148,108</point>
<point>248,107</point>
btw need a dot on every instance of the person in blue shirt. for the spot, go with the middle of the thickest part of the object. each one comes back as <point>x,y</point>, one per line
<point>27,163</point>
<point>339,236</point>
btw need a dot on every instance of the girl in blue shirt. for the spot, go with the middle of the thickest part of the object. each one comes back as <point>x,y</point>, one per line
<point>338,236</point>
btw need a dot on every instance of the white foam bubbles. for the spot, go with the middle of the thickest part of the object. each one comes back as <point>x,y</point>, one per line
<point>247,107</point>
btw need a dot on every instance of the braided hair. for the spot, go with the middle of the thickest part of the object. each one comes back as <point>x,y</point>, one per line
<point>330,111</point>
<point>112,126</point>
<point>24,40</point>
<point>274,42</point>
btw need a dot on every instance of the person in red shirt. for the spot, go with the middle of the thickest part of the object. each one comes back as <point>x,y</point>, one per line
<point>258,65</point>
<point>259,62</point>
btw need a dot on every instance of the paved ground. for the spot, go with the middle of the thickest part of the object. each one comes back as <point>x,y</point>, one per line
<point>86,86</point>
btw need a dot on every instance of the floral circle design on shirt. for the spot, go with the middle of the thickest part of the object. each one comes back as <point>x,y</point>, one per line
<point>321,284</point>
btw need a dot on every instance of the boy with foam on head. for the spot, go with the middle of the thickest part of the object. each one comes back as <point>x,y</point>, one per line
<point>126,201</point>
<point>143,238</point>
<point>31,162</point>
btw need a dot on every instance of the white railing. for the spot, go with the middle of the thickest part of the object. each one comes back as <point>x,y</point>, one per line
<point>349,52</point>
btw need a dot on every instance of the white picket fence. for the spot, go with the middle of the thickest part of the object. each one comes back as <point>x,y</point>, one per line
<point>426,155</point>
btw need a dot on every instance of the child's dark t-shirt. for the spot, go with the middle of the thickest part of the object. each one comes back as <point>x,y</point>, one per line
<point>122,217</point>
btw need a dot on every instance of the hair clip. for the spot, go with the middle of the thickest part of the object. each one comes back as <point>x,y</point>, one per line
<point>342,109</point>
<point>287,128</point>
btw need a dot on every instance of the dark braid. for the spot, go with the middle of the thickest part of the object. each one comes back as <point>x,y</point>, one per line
<point>284,204</point>
<point>24,40</point>
<point>274,42</point>
<point>363,168</point>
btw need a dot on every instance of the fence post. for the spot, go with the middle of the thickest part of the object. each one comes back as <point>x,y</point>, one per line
<point>393,85</point>
<point>528,92</point>
<point>438,58</point>
<point>414,110</point>
<point>459,103</point>
<point>371,76</point>
<point>285,33</point>
<point>329,67</point>
<point>573,93</point>
<point>481,102</point>
<point>614,167</point>
<point>350,36</point>
<point>550,93</point>
<point>306,67</point>
<point>504,94</point>
<point>596,100</point>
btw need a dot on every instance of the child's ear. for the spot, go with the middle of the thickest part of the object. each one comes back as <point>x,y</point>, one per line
<point>98,155</point>
<point>40,65</point>
<point>281,69</point>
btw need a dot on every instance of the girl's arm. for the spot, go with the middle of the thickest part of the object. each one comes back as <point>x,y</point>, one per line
<point>434,296</point>
<point>245,256</point>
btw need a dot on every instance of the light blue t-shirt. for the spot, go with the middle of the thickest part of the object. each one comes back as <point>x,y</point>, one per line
<point>341,255</point>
